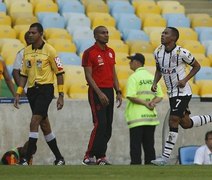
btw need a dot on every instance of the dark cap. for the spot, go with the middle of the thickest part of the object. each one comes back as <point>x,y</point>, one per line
<point>137,57</point>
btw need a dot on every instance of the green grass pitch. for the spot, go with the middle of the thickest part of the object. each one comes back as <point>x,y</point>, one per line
<point>121,172</point>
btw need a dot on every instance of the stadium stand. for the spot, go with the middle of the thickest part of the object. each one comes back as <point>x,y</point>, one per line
<point>3,7</point>
<point>42,15</point>
<point>83,44</point>
<point>96,7</point>
<point>71,6</point>
<point>177,20</point>
<point>47,6</point>
<point>62,45</point>
<point>114,33</point>
<point>64,19</point>
<point>20,20</point>
<point>121,59</point>
<point>134,34</point>
<point>140,46</point>
<point>57,33</point>
<point>154,21</point>
<point>70,58</point>
<point>121,7</point>
<point>119,46</point>
<point>147,8</point>
<point>53,22</point>
<point>133,22</point>
<point>5,19</point>
<point>77,22</point>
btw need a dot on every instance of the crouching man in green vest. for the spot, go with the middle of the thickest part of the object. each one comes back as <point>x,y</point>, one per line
<point>140,113</point>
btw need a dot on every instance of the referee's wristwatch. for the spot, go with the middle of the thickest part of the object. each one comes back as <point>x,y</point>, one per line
<point>61,94</point>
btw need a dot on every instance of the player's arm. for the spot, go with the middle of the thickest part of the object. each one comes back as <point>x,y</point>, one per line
<point>22,83</point>
<point>117,89</point>
<point>60,83</point>
<point>88,75</point>
<point>157,78</point>
<point>195,68</point>
<point>16,76</point>
<point>16,68</point>
<point>8,79</point>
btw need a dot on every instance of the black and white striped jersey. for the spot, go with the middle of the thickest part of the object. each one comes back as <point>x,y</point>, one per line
<point>172,65</point>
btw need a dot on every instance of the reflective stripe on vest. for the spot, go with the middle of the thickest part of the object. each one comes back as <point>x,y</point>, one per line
<point>141,121</point>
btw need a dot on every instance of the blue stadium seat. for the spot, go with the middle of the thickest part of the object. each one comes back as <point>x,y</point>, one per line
<point>70,58</point>
<point>83,44</point>
<point>199,30</point>
<point>78,20</point>
<point>209,50</point>
<point>121,7</point>
<point>205,34</point>
<point>68,15</point>
<point>134,34</point>
<point>3,7</point>
<point>41,15</point>
<point>207,43</point>
<point>61,2</point>
<point>128,21</point>
<point>178,21</point>
<point>205,73</point>
<point>186,154</point>
<point>53,22</point>
<point>82,33</point>
<point>72,6</point>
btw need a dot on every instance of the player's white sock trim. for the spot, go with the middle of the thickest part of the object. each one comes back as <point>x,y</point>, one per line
<point>201,120</point>
<point>34,135</point>
<point>49,137</point>
<point>169,145</point>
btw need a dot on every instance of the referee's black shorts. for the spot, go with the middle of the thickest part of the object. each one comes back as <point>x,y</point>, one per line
<point>40,97</point>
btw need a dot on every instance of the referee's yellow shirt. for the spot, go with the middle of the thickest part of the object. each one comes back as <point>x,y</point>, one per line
<point>40,65</point>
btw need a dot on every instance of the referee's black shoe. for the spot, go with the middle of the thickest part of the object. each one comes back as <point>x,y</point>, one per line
<point>59,162</point>
<point>23,162</point>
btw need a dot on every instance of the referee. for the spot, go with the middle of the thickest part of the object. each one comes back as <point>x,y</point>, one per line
<point>40,64</point>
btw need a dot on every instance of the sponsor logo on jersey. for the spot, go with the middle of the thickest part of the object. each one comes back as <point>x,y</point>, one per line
<point>168,70</point>
<point>58,63</point>
<point>39,63</point>
<point>110,55</point>
<point>28,64</point>
<point>100,60</point>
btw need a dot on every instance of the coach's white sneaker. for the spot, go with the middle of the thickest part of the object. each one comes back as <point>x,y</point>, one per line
<point>159,161</point>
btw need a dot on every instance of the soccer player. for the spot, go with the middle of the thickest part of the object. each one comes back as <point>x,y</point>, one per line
<point>171,61</point>
<point>18,61</point>
<point>99,67</point>
<point>15,155</point>
<point>40,64</point>
<point>4,74</point>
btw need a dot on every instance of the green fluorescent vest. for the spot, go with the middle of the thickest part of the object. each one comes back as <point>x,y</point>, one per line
<point>139,85</point>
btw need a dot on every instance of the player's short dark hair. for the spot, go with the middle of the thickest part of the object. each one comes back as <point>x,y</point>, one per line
<point>96,30</point>
<point>38,26</point>
<point>207,134</point>
<point>175,32</point>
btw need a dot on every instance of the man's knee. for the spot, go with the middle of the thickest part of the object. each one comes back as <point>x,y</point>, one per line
<point>186,122</point>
